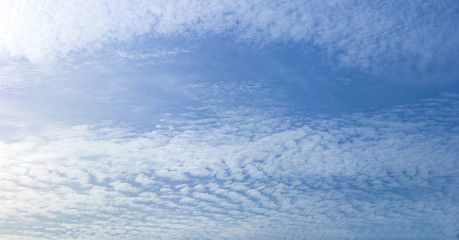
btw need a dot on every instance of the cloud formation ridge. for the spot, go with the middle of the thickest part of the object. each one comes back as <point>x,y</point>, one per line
<point>363,34</point>
<point>387,170</point>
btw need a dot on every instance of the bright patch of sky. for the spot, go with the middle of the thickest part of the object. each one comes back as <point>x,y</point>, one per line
<point>229,119</point>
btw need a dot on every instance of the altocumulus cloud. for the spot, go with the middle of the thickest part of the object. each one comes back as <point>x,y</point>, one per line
<point>374,35</point>
<point>386,174</point>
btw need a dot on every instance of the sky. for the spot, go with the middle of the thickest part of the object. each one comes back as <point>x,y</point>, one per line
<point>229,119</point>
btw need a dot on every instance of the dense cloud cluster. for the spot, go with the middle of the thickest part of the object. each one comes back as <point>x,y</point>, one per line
<point>383,174</point>
<point>375,35</point>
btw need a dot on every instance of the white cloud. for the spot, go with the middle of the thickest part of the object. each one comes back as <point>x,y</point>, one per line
<point>358,176</point>
<point>144,180</point>
<point>391,35</point>
<point>123,187</point>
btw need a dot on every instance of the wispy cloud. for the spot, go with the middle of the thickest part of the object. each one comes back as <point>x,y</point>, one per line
<point>374,35</point>
<point>385,174</point>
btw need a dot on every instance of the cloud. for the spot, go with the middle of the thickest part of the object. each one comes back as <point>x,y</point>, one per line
<point>384,174</point>
<point>375,35</point>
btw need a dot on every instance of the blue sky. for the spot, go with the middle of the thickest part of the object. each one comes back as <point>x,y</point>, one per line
<point>229,119</point>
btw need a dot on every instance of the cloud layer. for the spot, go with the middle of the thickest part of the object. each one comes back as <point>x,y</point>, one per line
<point>389,174</point>
<point>375,35</point>
<point>236,164</point>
